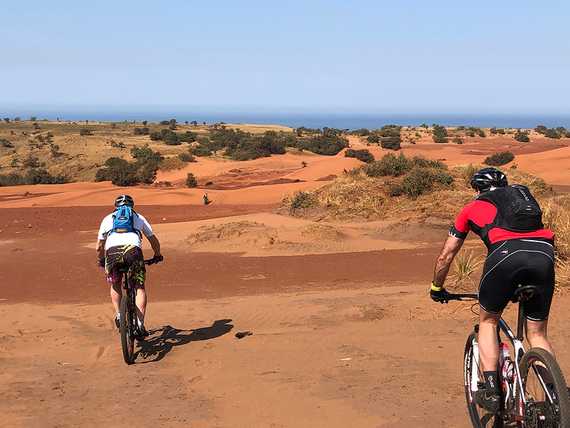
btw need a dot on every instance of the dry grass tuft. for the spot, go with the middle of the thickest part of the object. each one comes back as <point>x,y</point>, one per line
<point>353,195</point>
<point>556,216</point>
<point>464,266</point>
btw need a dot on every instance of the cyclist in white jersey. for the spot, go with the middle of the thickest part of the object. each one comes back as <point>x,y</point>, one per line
<point>118,249</point>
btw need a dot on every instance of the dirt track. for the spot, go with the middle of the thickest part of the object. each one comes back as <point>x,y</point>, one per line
<point>338,339</point>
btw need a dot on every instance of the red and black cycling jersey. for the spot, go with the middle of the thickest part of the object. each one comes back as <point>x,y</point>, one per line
<point>478,214</point>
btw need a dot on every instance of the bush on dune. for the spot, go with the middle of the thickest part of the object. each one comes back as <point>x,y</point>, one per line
<point>364,192</point>
<point>191,180</point>
<point>389,165</point>
<point>186,157</point>
<point>172,163</point>
<point>395,166</point>
<point>124,173</point>
<point>6,143</point>
<point>521,136</point>
<point>422,180</point>
<point>329,143</point>
<point>439,134</point>
<point>362,155</point>
<point>499,159</point>
<point>32,176</point>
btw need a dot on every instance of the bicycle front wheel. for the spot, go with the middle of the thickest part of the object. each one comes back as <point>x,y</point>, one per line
<point>545,390</point>
<point>473,380</point>
<point>126,328</point>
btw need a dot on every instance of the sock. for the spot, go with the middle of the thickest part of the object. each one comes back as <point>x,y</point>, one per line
<point>491,381</point>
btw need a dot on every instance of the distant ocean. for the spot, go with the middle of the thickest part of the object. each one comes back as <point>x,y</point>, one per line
<point>310,120</point>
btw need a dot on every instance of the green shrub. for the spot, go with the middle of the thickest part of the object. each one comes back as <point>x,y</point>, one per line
<point>187,137</point>
<point>145,154</point>
<point>373,139</point>
<point>427,163</point>
<point>42,176</point>
<point>457,140</point>
<point>31,161</point>
<point>389,165</point>
<point>172,163</point>
<point>12,179</point>
<point>201,150</point>
<point>439,134</point>
<point>541,129</point>
<point>301,201</point>
<point>141,131</point>
<point>499,159</point>
<point>390,137</point>
<point>473,131</point>
<point>6,143</point>
<point>191,180</point>
<point>85,132</point>
<point>186,157</point>
<point>362,155</point>
<point>329,143</point>
<point>499,131</point>
<point>522,136</point>
<point>119,172</point>
<point>390,144</point>
<point>552,133</point>
<point>123,173</point>
<point>362,132</point>
<point>422,180</point>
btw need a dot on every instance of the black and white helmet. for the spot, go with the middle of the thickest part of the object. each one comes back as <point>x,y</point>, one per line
<point>484,179</point>
<point>124,200</point>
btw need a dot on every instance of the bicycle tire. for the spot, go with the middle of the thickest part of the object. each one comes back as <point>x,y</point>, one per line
<point>126,330</point>
<point>548,361</point>
<point>486,420</point>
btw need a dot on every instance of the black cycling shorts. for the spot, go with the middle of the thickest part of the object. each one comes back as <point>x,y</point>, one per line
<point>126,257</point>
<point>518,262</point>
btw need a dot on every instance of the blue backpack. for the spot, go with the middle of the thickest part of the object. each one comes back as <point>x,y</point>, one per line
<point>123,220</point>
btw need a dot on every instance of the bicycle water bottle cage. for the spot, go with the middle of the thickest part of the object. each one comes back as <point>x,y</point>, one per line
<point>525,292</point>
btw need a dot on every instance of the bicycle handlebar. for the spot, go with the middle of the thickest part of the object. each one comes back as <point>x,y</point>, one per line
<point>462,296</point>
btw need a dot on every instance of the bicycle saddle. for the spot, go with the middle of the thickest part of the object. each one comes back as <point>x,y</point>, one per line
<point>525,292</point>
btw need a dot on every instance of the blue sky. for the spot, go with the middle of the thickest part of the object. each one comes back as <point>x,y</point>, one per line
<point>302,56</point>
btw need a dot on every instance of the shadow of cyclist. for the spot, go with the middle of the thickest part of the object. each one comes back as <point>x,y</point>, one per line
<point>161,340</point>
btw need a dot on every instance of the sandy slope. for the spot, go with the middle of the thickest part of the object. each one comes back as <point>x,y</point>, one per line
<point>553,166</point>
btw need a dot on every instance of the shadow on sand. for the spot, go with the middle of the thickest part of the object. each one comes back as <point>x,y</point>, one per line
<point>161,340</point>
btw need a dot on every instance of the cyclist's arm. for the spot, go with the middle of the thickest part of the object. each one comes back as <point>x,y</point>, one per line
<point>101,248</point>
<point>155,244</point>
<point>448,252</point>
<point>102,236</point>
<point>146,229</point>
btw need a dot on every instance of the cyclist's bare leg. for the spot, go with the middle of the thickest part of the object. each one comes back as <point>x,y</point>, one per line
<point>488,340</point>
<point>116,295</point>
<point>141,302</point>
<point>537,336</point>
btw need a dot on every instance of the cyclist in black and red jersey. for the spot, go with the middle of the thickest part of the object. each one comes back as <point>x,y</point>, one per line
<point>520,251</point>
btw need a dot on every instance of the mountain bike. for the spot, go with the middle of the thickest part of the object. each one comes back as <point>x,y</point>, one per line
<point>128,322</point>
<point>533,389</point>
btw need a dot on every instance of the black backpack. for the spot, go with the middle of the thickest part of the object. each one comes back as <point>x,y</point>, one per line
<point>517,210</point>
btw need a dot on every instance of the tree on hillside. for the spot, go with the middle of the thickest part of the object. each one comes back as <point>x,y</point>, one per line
<point>522,136</point>
<point>439,134</point>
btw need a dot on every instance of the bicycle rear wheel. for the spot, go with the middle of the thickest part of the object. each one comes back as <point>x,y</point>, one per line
<point>472,376</point>
<point>126,328</point>
<point>545,390</point>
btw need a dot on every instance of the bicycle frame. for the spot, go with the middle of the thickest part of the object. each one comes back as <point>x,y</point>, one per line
<point>518,352</point>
